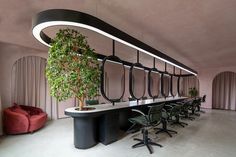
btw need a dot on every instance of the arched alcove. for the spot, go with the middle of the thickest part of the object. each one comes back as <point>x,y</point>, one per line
<point>28,83</point>
<point>28,74</point>
<point>224,91</point>
<point>29,87</point>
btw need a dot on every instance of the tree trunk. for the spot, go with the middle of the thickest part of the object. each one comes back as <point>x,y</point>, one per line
<point>81,103</point>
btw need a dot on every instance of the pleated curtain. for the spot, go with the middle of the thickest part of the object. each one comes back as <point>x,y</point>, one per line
<point>224,91</point>
<point>189,82</point>
<point>29,85</point>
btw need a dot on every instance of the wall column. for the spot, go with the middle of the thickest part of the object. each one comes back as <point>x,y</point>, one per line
<point>205,88</point>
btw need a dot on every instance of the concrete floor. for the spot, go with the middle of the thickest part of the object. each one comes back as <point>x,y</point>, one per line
<point>211,135</point>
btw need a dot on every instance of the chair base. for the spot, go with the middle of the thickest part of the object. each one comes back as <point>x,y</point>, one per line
<point>179,123</point>
<point>176,121</point>
<point>199,109</point>
<point>164,130</point>
<point>195,114</point>
<point>188,117</point>
<point>202,111</point>
<point>145,142</point>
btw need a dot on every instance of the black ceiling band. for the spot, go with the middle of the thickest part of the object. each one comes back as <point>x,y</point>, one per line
<point>165,67</point>
<point>137,56</point>
<point>53,17</point>
<point>113,47</point>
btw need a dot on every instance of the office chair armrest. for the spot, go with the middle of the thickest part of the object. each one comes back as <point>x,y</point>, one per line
<point>138,111</point>
<point>168,107</point>
<point>180,103</point>
<point>174,104</point>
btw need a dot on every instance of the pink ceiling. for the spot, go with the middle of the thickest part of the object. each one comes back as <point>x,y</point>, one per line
<point>200,34</point>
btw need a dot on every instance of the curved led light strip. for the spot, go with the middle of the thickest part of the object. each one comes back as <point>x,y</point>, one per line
<point>57,17</point>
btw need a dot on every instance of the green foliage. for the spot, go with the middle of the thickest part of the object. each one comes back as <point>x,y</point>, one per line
<point>72,67</point>
<point>193,92</point>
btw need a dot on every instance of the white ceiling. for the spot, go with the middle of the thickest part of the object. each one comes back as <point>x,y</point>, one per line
<point>200,34</point>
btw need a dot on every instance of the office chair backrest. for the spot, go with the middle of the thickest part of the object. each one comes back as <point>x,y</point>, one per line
<point>92,102</point>
<point>204,98</point>
<point>155,114</point>
<point>175,110</point>
<point>186,104</point>
<point>196,102</point>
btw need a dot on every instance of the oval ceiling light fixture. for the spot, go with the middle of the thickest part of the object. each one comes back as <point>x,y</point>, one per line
<point>63,17</point>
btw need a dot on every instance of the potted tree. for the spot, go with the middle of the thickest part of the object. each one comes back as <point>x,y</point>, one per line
<point>72,67</point>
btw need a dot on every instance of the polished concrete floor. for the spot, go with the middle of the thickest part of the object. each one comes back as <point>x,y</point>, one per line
<point>211,135</point>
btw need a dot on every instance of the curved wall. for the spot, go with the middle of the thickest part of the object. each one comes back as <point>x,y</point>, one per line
<point>224,91</point>
<point>9,54</point>
<point>206,77</point>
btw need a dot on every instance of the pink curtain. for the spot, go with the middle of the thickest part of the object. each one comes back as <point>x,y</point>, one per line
<point>190,82</point>
<point>29,85</point>
<point>224,91</point>
<point>187,83</point>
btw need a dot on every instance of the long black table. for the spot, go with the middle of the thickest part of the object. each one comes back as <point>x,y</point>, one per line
<point>102,124</point>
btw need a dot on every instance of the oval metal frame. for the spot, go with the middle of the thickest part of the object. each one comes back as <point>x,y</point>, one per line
<point>149,83</point>
<point>179,86</point>
<point>116,59</point>
<point>162,92</point>
<point>131,80</point>
<point>171,86</point>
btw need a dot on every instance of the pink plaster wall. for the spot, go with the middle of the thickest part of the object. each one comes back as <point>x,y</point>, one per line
<point>8,55</point>
<point>206,77</point>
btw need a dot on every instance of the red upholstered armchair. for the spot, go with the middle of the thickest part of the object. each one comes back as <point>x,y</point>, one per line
<point>22,119</point>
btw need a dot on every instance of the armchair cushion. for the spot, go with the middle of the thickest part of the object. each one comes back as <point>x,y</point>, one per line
<point>31,110</point>
<point>20,111</point>
<point>37,121</point>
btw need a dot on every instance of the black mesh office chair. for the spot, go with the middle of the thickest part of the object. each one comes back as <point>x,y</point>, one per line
<point>151,120</point>
<point>173,112</point>
<point>164,121</point>
<point>194,105</point>
<point>203,99</point>
<point>185,109</point>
